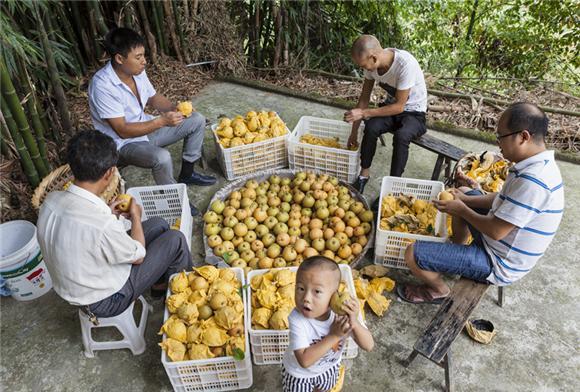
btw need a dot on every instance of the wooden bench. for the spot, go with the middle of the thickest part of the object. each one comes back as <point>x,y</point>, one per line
<point>445,153</point>
<point>435,343</point>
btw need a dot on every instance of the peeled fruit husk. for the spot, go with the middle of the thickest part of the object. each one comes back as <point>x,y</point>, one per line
<point>222,286</point>
<point>209,272</point>
<point>337,301</point>
<point>285,277</point>
<point>188,312</point>
<point>179,283</point>
<point>175,350</point>
<point>268,299</point>
<point>279,319</point>
<point>199,351</point>
<point>261,317</point>
<point>374,271</point>
<point>175,329</point>
<point>194,333</point>
<point>227,317</point>
<point>236,342</point>
<point>174,301</point>
<point>378,303</point>
<point>378,285</point>
<point>287,292</point>
<point>214,337</point>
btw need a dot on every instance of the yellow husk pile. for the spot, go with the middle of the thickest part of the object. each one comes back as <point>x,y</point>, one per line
<point>407,214</point>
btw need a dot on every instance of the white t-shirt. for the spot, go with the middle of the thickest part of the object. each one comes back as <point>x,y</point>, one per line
<point>86,249</point>
<point>404,74</point>
<point>304,332</point>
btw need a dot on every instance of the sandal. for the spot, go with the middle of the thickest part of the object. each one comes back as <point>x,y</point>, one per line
<point>418,295</point>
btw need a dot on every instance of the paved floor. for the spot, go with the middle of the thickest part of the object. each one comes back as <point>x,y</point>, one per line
<point>536,348</point>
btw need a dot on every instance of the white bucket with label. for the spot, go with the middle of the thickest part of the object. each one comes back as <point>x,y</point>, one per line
<point>21,263</point>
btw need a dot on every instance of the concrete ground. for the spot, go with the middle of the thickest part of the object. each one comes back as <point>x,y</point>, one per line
<point>536,348</point>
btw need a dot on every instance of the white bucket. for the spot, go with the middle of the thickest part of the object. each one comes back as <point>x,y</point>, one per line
<point>21,263</point>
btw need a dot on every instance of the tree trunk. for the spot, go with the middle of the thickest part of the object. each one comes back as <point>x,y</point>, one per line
<point>285,53</point>
<point>59,94</point>
<point>278,35</point>
<point>25,160</point>
<point>14,109</point>
<point>257,37</point>
<point>170,19</point>
<point>26,86</point>
<point>147,32</point>
<point>461,64</point>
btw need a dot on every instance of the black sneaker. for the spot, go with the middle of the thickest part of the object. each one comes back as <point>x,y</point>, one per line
<point>198,179</point>
<point>360,183</point>
<point>194,210</point>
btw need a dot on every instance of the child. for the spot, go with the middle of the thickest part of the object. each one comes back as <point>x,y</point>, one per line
<point>317,334</point>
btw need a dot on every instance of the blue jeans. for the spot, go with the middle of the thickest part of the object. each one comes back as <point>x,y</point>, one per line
<point>470,261</point>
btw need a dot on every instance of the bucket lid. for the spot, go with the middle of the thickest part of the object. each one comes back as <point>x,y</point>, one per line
<point>17,238</point>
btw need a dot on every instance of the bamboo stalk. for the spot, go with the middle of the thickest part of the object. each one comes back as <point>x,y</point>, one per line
<point>78,25</point>
<point>185,51</point>
<point>15,110</point>
<point>158,27</point>
<point>94,36</point>
<point>59,94</point>
<point>32,110</point>
<point>147,32</point>
<point>25,159</point>
<point>100,22</point>
<point>277,36</point>
<point>70,36</point>
<point>170,18</point>
<point>257,34</point>
<point>6,142</point>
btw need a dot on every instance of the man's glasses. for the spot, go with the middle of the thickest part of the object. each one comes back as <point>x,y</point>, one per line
<point>499,137</point>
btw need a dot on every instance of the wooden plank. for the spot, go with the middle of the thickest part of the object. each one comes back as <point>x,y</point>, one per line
<point>450,319</point>
<point>437,168</point>
<point>438,146</point>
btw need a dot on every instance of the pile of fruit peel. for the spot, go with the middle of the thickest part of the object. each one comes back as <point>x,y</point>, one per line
<point>332,142</point>
<point>206,315</point>
<point>408,214</point>
<point>371,292</point>
<point>488,169</point>
<point>253,128</point>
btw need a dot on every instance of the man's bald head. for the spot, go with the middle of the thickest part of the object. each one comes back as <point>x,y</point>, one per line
<point>365,44</point>
<point>523,115</point>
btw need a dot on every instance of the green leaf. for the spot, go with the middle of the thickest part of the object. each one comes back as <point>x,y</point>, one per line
<point>226,257</point>
<point>239,355</point>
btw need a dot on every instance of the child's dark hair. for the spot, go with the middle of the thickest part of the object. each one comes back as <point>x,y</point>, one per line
<point>90,154</point>
<point>319,262</point>
<point>122,40</point>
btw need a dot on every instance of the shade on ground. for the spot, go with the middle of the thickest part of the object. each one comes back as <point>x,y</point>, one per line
<point>536,347</point>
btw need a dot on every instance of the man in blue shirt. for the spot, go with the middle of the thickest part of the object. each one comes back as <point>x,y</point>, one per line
<point>118,95</point>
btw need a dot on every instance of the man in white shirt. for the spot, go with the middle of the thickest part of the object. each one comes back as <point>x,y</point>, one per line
<point>402,113</point>
<point>94,263</point>
<point>511,229</point>
<point>118,95</point>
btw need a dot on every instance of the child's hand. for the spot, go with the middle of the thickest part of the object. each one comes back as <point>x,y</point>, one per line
<point>340,327</point>
<point>352,307</point>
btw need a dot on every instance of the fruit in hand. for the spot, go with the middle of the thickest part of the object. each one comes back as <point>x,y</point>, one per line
<point>126,202</point>
<point>185,108</point>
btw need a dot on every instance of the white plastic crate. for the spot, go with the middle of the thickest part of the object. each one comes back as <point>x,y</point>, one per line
<point>269,345</point>
<point>169,202</point>
<point>390,245</point>
<point>215,374</point>
<point>252,158</point>
<point>340,163</point>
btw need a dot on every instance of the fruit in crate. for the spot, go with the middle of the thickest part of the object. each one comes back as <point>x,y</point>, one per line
<point>332,142</point>
<point>206,315</point>
<point>185,108</point>
<point>253,128</point>
<point>488,169</point>
<point>273,298</point>
<point>279,222</point>
<point>407,214</point>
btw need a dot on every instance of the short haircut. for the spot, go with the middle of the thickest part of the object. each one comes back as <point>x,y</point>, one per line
<point>90,154</point>
<point>122,40</point>
<point>525,115</point>
<point>363,44</point>
<point>319,262</point>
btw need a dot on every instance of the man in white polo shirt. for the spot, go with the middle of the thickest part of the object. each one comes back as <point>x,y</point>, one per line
<point>511,229</point>
<point>94,263</point>
<point>402,113</point>
<point>118,95</point>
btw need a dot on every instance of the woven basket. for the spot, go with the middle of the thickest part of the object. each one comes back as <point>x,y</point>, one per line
<point>60,177</point>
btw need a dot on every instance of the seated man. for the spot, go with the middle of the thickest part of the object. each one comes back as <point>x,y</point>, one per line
<point>523,218</point>
<point>403,112</point>
<point>92,260</point>
<point>118,95</point>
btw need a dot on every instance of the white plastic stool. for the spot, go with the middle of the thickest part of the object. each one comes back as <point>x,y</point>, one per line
<point>133,335</point>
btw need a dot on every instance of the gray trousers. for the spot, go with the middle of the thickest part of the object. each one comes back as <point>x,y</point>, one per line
<point>152,155</point>
<point>167,253</point>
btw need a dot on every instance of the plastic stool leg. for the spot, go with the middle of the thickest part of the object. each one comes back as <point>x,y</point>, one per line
<point>86,335</point>
<point>129,329</point>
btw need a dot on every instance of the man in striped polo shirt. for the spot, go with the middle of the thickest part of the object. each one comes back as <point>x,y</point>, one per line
<point>511,229</point>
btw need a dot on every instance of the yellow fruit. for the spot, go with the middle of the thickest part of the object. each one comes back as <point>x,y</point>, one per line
<point>186,108</point>
<point>126,202</point>
<point>218,301</point>
<point>337,301</point>
<point>444,195</point>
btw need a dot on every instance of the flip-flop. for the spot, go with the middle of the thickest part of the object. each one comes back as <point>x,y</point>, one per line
<point>429,300</point>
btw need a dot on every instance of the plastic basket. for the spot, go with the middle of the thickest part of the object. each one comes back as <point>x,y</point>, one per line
<point>390,245</point>
<point>343,164</point>
<point>215,374</point>
<point>251,158</point>
<point>269,345</point>
<point>169,202</point>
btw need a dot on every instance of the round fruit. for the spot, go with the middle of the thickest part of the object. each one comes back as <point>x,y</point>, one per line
<point>316,234</point>
<point>205,312</point>
<point>199,283</point>
<point>217,206</point>
<point>214,240</point>
<point>344,251</point>
<point>227,233</point>
<point>283,239</point>
<point>337,302</point>
<point>309,252</point>
<point>318,244</point>
<point>445,196</point>
<point>279,263</point>
<point>265,263</point>
<point>218,301</point>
